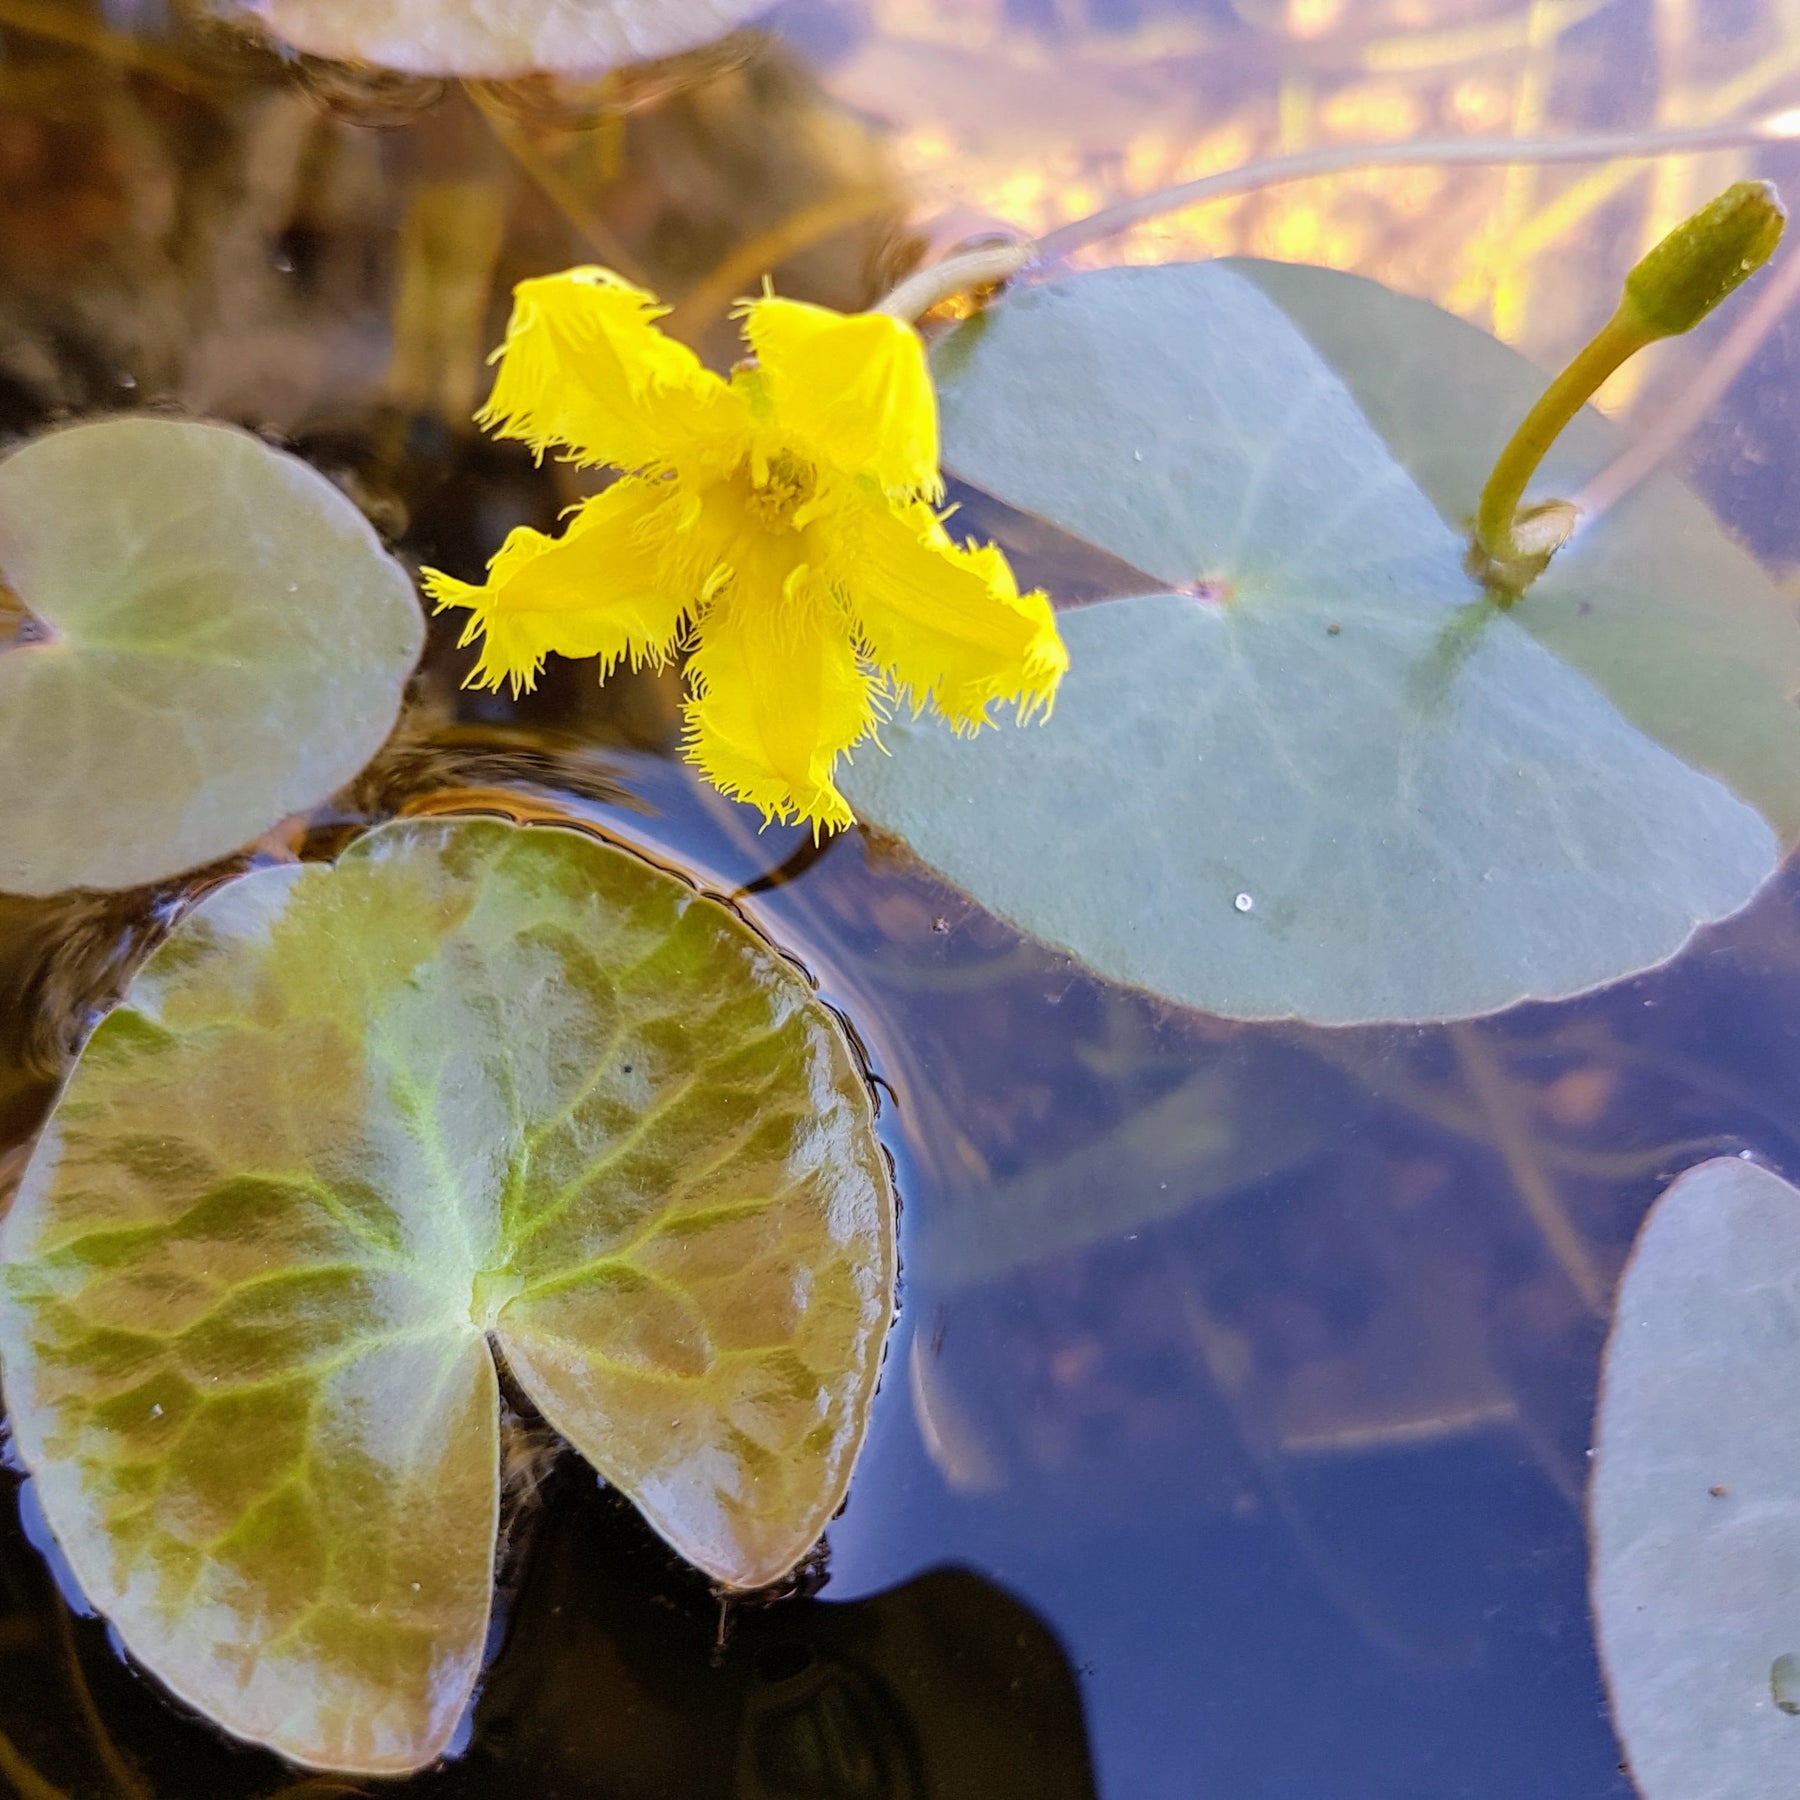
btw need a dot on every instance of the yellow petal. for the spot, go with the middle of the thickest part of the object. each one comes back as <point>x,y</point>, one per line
<point>948,624</point>
<point>601,589</point>
<point>852,388</point>
<point>585,367</point>
<point>778,697</point>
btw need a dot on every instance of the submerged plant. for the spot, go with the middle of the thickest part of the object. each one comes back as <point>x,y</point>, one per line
<point>781,523</point>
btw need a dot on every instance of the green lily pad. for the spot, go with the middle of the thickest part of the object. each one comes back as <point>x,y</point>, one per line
<point>474,1090</point>
<point>1696,1491</point>
<point>1323,776</point>
<point>219,640</point>
<point>509,39</point>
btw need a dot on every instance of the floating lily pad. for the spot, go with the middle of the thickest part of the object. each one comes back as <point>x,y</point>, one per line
<point>216,639</point>
<point>1696,1491</point>
<point>499,39</point>
<point>1321,776</point>
<point>356,1128</point>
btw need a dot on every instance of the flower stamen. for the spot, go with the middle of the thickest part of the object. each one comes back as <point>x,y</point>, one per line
<point>787,484</point>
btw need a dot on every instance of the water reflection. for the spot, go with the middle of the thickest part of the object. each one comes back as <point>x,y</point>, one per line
<point>1256,1363</point>
<point>190,218</point>
<point>943,1686</point>
<point>1293,1454</point>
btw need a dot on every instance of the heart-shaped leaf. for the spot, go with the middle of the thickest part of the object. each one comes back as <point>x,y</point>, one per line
<point>473,1084</point>
<point>499,40</point>
<point>1696,1491</point>
<point>222,642</point>
<point>1324,776</point>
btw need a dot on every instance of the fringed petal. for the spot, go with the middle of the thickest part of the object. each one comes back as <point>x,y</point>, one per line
<point>778,697</point>
<point>780,522</point>
<point>585,368</point>
<point>851,388</point>
<point>602,589</point>
<point>947,624</point>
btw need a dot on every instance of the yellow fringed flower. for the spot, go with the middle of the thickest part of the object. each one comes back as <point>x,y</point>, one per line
<point>781,525</point>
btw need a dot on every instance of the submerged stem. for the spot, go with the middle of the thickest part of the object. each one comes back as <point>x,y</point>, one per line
<point>1513,1138</point>
<point>27,1782</point>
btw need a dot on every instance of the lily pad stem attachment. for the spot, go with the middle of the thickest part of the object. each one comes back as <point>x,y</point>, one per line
<point>1674,287</point>
<point>18,623</point>
<point>977,267</point>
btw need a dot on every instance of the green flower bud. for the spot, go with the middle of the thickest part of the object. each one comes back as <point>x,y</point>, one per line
<point>1705,258</point>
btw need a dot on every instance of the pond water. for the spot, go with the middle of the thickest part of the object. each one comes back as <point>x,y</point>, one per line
<point>1233,1437</point>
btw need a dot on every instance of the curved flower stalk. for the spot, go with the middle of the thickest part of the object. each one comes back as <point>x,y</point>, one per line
<point>780,525</point>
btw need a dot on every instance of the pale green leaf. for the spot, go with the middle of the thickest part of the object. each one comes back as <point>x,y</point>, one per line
<point>1654,604</point>
<point>227,642</point>
<point>1323,776</point>
<point>1696,1491</point>
<point>473,1085</point>
<point>498,38</point>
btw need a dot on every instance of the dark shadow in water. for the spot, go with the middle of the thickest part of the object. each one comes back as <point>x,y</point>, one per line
<point>621,1677</point>
<point>616,1676</point>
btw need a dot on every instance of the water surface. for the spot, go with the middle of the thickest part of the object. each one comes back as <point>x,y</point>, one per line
<point>1233,1437</point>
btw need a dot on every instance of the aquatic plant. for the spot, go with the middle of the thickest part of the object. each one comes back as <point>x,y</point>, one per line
<point>1325,772</point>
<point>206,637</point>
<point>473,1093</point>
<point>1695,268</point>
<point>1339,776</point>
<point>780,525</point>
<point>1696,1558</point>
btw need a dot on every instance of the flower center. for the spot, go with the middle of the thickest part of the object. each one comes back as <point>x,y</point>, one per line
<point>786,486</point>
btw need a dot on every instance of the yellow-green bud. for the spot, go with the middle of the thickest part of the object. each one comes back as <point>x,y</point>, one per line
<point>1704,258</point>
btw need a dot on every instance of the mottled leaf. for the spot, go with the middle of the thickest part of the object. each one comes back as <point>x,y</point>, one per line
<point>219,640</point>
<point>1696,1491</point>
<point>472,1086</point>
<point>1323,775</point>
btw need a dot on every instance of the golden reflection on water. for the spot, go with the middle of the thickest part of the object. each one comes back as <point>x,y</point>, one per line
<point>1040,114</point>
<point>162,161</point>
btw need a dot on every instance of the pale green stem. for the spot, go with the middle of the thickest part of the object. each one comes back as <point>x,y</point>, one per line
<point>1338,159</point>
